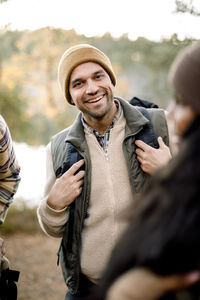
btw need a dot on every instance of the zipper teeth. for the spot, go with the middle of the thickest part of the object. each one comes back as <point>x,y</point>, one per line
<point>87,197</point>
<point>87,201</point>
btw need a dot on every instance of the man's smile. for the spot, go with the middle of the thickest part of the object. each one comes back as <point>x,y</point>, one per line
<point>95,100</point>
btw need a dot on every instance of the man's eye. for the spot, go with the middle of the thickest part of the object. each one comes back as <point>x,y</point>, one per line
<point>99,76</point>
<point>77,84</point>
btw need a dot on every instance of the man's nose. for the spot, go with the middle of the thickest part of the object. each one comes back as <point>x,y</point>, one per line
<point>91,87</point>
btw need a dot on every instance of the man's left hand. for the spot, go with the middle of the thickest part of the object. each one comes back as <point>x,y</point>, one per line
<point>152,159</point>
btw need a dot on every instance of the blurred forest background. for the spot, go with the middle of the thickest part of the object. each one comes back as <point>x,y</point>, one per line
<point>34,108</point>
<point>30,99</point>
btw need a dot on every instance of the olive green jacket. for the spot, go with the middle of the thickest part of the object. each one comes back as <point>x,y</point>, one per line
<point>74,135</point>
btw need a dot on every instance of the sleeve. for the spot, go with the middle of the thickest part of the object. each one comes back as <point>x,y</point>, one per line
<point>51,221</point>
<point>136,284</point>
<point>9,169</point>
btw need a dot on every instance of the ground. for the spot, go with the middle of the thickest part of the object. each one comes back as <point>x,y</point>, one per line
<point>35,257</point>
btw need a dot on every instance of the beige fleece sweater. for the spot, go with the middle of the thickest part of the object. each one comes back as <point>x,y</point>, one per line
<point>109,199</point>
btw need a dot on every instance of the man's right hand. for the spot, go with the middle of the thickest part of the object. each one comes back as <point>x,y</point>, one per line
<point>67,188</point>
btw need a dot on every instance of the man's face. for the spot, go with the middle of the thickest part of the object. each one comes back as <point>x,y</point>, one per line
<point>91,91</point>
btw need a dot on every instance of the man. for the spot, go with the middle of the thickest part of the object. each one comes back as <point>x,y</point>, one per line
<point>96,166</point>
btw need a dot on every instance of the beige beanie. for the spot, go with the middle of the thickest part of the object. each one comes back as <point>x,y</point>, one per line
<point>77,55</point>
<point>184,76</point>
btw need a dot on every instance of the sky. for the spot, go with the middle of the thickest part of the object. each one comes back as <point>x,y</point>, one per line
<point>152,19</point>
<point>32,161</point>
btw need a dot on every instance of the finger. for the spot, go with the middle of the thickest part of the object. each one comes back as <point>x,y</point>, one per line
<point>80,183</point>
<point>139,158</point>
<point>80,175</point>
<point>74,168</point>
<point>142,145</point>
<point>142,155</point>
<point>160,142</point>
<point>139,152</point>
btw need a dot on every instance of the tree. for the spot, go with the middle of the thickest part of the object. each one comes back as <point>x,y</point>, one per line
<point>1,1</point>
<point>184,7</point>
<point>13,109</point>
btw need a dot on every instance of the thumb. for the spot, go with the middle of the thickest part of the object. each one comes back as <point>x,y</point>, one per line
<point>160,142</point>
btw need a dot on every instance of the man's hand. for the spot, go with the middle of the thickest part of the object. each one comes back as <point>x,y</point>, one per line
<point>67,188</point>
<point>152,159</point>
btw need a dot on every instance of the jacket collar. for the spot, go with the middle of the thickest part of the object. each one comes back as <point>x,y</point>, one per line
<point>75,134</point>
<point>135,120</point>
<point>134,123</point>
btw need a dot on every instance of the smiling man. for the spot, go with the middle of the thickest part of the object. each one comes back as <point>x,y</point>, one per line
<point>93,172</point>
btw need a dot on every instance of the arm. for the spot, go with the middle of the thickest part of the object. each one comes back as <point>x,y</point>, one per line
<point>58,194</point>
<point>140,284</point>
<point>9,170</point>
<point>152,159</point>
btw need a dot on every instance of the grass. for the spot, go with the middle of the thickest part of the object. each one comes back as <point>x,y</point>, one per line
<point>20,218</point>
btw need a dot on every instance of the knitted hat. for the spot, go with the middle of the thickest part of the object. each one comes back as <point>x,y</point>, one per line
<point>185,76</point>
<point>77,55</point>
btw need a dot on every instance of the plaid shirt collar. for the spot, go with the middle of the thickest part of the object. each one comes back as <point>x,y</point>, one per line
<point>103,138</point>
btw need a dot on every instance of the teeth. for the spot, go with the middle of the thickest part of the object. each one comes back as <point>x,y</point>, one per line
<point>94,100</point>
